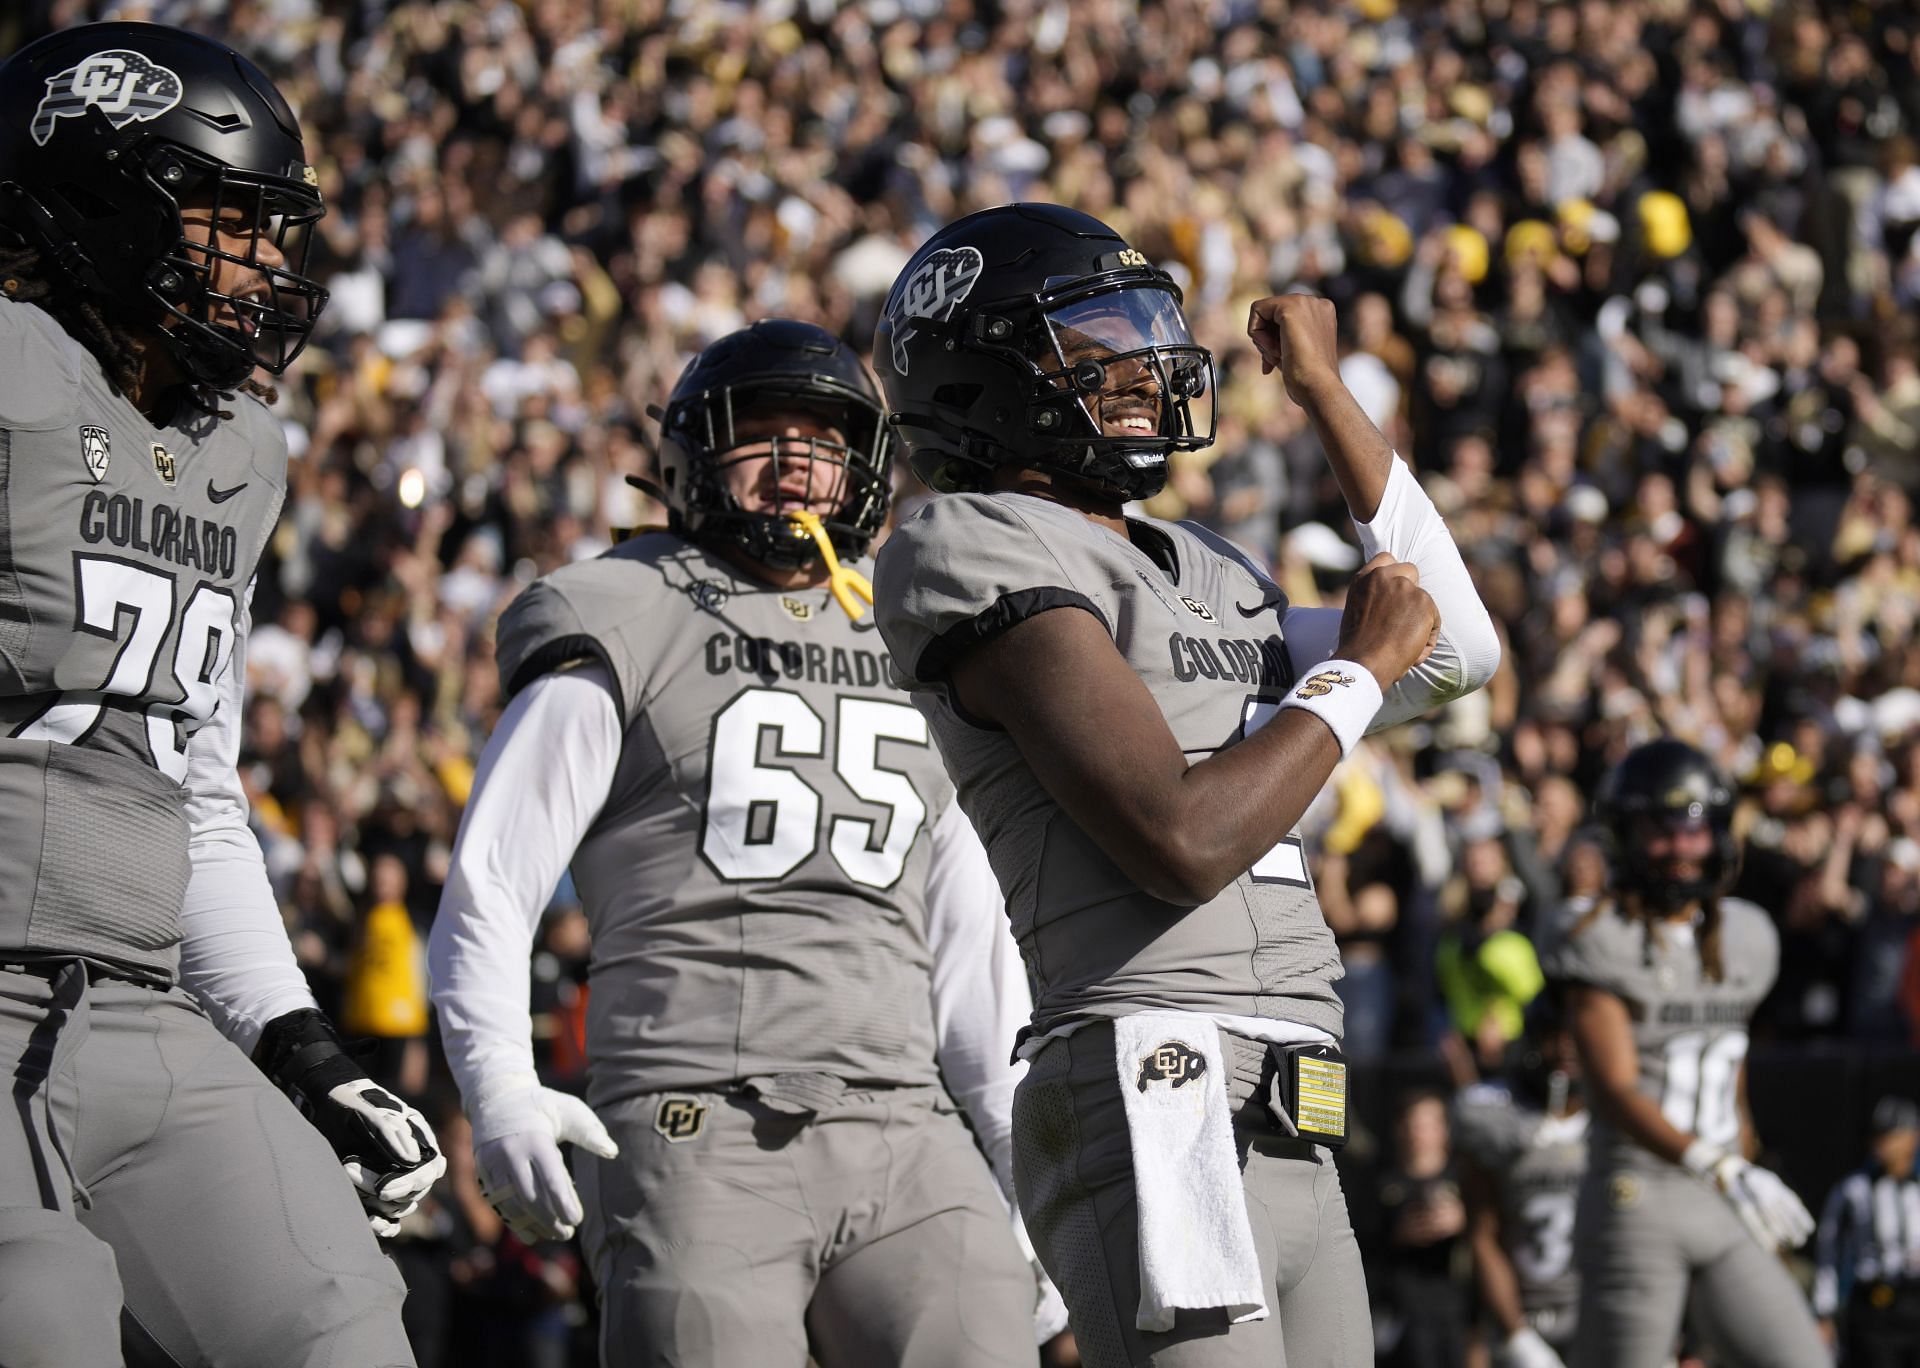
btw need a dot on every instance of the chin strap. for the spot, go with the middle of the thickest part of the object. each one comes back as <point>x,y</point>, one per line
<point>848,586</point>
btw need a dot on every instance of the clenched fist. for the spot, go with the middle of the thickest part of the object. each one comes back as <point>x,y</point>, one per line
<point>1389,623</point>
<point>1297,335</point>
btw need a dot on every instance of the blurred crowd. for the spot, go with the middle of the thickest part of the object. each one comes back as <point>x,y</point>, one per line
<point>1633,283</point>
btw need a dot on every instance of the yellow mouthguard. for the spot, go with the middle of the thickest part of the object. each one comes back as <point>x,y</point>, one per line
<point>848,586</point>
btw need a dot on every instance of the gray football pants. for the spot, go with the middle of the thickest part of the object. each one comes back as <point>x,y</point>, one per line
<point>1642,1239</point>
<point>1073,1166</point>
<point>872,1233</point>
<point>153,1181</point>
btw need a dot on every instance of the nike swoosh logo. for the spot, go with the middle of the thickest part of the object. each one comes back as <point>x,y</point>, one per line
<point>1273,600</point>
<point>219,495</point>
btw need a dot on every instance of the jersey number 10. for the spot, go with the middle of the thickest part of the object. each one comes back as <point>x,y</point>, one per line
<point>1703,1085</point>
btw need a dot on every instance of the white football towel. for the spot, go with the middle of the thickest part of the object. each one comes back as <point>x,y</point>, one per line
<point>1196,1246</point>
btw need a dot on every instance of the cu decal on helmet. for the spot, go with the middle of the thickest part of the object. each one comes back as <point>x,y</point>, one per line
<point>121,84</point>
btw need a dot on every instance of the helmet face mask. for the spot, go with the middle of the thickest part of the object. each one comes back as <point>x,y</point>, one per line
<point>122,145</point>
<point>235,290</point>
<point>1033,336</point>
<point>1670,816</point>
<point>768,421</point>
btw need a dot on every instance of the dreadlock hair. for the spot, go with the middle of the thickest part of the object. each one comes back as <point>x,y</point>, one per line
<point>1635,907</point>
<point>112,344</point>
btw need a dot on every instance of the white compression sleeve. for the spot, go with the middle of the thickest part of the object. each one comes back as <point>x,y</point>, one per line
<point>980,998</point>
<point>235,957</point>
<point>542,780</point>
<point>1409,528</point>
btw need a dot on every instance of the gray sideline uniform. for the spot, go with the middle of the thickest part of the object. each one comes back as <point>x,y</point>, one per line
<point>1202,630</point>
<point>1536,1169</point>
<point>759,1027</point>
<point>125,555</point>
<point>1646,1229</point>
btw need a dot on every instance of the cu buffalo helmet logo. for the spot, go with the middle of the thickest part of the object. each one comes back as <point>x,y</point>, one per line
<point>1172,1061</point>
<point>680,1119</point>
<point>1323,683</point>
<point>123,85</point>
<point>936,288</point>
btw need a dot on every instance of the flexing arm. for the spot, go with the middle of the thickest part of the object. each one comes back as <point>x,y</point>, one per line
<point>1393,515</point>
<point>1099,745</point>
<point>542,779</point>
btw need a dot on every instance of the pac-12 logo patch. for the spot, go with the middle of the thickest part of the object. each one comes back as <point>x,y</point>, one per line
<point>680,1119</point>
<point>709,594</point>
<point>95,449</point>
<point>1173,1061</point>
<point>123,85</point>
<point>936,288</point>
<point>163,464</point>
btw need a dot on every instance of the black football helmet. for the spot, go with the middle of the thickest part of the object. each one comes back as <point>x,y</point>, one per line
<point>107,131</point>
<point>776,369</point>
<point>1667,782</point>
<point>1010,336</point>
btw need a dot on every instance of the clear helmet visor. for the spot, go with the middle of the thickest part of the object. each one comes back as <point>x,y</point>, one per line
<point>1132,364</point>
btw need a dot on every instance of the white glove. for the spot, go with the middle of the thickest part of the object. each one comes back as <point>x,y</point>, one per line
<point>1525,1349</point>
<point>388,1194</point>
<point>1773,1214</point>
<point>518,1128</point>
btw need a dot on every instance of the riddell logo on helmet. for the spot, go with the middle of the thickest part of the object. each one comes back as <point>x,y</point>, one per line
<point>935,289</point>
<point>123,85</point>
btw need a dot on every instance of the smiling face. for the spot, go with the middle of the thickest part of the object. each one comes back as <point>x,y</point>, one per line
<point>1120,354</point>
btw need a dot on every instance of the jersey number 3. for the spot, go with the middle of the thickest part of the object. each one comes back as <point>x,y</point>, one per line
<point>106,589</point>
<point>763,820</point>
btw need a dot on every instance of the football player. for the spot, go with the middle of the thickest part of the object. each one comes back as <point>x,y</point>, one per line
<point>1135,720</point>
<point>796,936</point>
<point>1661,976</point>
<point>1523,1150</point>
<point>155,203</point>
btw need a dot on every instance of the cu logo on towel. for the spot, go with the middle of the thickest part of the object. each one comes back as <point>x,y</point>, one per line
<point>1172,1061</point>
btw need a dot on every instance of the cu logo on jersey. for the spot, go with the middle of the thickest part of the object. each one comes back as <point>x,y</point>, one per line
<point>935,289</point>
<point>122,85</point>
<point>1171,1061</point>
<point>680,1119</point>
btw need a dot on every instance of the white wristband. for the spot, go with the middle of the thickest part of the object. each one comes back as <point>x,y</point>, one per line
<point>1341,694</point>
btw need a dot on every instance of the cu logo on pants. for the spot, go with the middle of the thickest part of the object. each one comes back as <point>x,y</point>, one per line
<point>679,1119</point>
<point>1173,1061</point>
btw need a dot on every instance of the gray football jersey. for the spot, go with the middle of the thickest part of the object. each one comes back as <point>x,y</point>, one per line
<point>756,883</point>
<point>1690,1033</point>
<point>125,554</point>
<point>1202,630</point>
<point>1536,1163</point>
